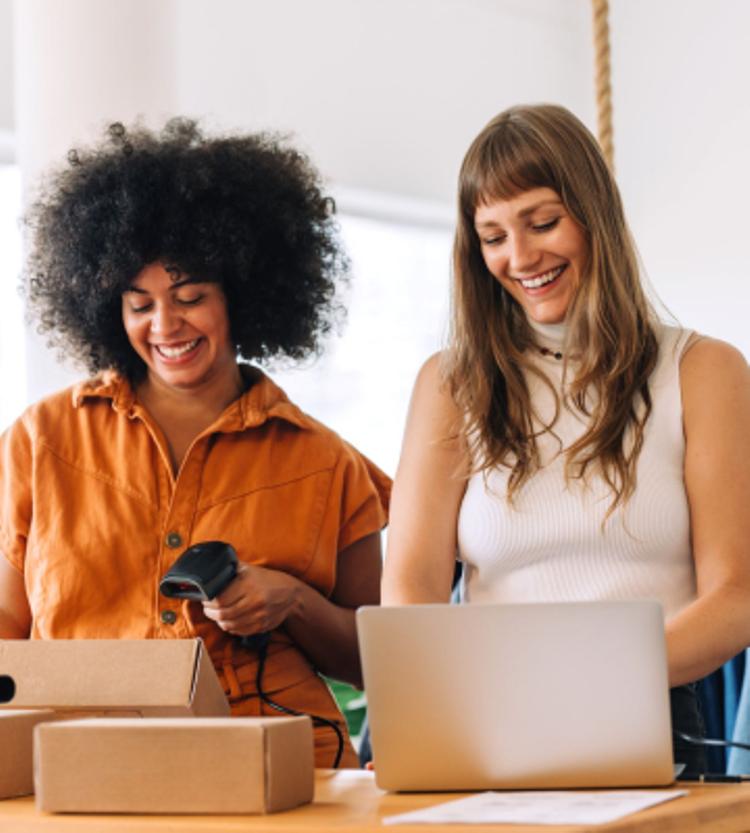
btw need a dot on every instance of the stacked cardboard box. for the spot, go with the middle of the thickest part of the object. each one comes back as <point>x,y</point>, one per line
<point>121,763</point>
<point>174,765</point>
<point>136,677</point>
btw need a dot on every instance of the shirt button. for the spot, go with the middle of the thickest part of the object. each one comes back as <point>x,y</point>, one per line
<point>174,540</point>
<point>169,617</point>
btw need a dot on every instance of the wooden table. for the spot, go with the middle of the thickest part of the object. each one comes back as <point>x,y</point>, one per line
<point>348,800</point>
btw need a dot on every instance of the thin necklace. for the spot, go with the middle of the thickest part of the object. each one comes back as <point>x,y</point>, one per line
<point>556,354</point>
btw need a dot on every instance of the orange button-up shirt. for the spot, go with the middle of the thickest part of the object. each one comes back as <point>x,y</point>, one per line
<point>93,516</point>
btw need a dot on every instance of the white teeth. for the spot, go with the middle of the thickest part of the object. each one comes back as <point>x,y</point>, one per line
<point>542,280</point>
<point>176,352</point>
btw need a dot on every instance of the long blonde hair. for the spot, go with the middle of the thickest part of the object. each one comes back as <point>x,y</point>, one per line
<point>609,321</point>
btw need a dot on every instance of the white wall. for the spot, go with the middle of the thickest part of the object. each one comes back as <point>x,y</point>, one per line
<point>81,64</point>
<point>682,120</point>
<point>385,95</point>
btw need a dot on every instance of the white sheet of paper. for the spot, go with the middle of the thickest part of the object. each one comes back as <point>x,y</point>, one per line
<point>538,807</point>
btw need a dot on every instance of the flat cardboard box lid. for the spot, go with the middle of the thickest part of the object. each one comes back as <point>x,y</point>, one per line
<point>173,765</point>
<point>143,677</point>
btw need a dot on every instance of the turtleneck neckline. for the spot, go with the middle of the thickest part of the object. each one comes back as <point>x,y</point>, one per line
<point>551,336</point>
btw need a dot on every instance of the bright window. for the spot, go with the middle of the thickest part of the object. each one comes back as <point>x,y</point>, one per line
<point>397,316</point>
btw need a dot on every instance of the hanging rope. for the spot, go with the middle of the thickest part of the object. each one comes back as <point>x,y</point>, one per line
<point>600,9</point>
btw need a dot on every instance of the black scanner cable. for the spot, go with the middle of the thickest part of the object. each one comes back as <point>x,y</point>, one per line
<point>711,777</point>
<point>694,739</point>
<point>262,651</point>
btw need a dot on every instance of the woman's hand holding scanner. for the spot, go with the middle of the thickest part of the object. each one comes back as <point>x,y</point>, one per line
<point>204,572</point>
<point>257,601</point>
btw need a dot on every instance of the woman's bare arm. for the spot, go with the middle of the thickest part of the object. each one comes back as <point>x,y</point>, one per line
<point>427,493</point>
<point>715,381</point>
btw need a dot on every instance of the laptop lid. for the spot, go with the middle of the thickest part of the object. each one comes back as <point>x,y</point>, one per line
<point>468,697</point>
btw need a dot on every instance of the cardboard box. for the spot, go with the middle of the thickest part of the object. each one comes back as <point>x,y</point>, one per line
<point>16,743</point>
<point>145,677</point>
<point>194,765</point>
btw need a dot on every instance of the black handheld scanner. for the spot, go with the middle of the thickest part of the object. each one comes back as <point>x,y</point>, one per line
<point>201,573</point>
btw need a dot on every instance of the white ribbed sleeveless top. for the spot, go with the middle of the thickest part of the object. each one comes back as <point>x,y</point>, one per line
<point>550,545</point>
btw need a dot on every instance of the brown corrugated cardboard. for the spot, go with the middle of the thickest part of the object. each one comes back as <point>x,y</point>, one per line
<point>196,765</point>
<point>16,733</point>
<point>148,677</point>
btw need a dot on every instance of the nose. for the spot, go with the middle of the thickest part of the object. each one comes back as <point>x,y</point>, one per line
<point>523,254</point>
<point>164,320</point>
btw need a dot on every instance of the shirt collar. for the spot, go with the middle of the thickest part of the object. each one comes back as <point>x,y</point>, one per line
<point>261,401</point>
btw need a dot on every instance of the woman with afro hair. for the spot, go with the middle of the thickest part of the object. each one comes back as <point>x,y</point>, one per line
<point>165,263</point>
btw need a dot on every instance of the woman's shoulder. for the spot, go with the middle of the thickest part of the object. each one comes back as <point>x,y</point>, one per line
<point>715,384</point>
<point>432,382</point>
<point>703,348</point>
<point>685,341</point>
<point>433,393</point>
<point>710,363</point>
<point>682,351</point>
<point>434,422</point>
<point>703,364</point>
<point>319,446</point>
<point>435,368</point>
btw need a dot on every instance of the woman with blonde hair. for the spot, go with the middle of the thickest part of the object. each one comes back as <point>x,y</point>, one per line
<point>568,445</point>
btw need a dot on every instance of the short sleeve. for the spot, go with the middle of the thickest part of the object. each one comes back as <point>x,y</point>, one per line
<point>364,496</point>
<point>15,492</point>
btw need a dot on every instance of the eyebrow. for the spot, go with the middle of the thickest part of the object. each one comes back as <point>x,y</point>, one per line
<point>523,213</point>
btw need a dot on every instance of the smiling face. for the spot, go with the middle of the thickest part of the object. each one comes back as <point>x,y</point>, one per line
<point>535,249</point>
<point>179,327</point>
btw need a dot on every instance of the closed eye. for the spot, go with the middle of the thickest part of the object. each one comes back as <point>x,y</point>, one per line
<point>542,227</point>
<point>190,302</point>
<point>141,308</point>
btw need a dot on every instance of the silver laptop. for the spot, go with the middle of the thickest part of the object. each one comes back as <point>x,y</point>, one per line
<point>547,696</point>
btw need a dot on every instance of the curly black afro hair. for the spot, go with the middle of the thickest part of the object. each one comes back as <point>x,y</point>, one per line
<point>244,211</point>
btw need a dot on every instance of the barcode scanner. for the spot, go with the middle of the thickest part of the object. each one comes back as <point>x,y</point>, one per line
<point>202,573</point>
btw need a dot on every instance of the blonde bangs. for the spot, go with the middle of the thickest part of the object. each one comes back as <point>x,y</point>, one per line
<point>502,164</point>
